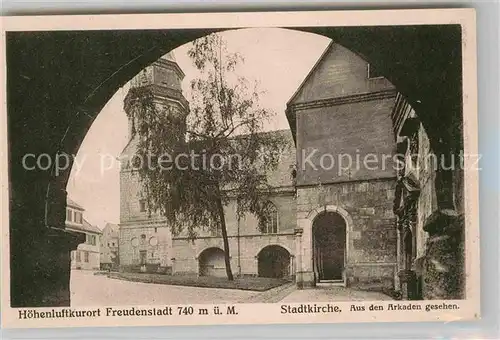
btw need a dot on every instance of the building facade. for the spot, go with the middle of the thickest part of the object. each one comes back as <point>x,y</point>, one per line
<point>266,252</point>
<point>341,121</point>
<point>333,221</point>
<point>109,247</point>
<point>87,254</point>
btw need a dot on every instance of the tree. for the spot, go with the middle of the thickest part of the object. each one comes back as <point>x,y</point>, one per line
<point>219,151</point>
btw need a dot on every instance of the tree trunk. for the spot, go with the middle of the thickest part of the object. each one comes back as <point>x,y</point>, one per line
<point>225,240</point>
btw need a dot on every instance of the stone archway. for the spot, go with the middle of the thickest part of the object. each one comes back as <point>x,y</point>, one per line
<point>211,262</point>
<point>305,271</point>
<point>56,112</point>
<point>329,249</point>
<point>274,261</point>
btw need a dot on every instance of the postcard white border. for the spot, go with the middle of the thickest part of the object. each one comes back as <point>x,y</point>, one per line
<point>266,313</point>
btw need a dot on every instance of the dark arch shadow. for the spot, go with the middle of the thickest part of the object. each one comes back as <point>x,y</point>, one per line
<point>274,262</point>
<point>329,230</point>
<point>211,262</point>
<point>57,83</point>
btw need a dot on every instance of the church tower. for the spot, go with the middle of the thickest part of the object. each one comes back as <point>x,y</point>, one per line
<point>164,78</point>
<point>146,241</point>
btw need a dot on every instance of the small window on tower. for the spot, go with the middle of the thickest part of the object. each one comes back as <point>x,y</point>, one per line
<point>142,205</point>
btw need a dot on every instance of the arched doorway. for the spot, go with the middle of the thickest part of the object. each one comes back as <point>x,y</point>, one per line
<point>211,262</point>
<point>274,261</point>
<point>329,247</point>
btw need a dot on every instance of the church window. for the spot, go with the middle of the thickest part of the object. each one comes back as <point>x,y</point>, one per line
<point>270,222</point>
<point>215,228</point>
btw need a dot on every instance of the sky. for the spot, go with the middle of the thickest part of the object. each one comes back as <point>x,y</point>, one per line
<point>278,59</point>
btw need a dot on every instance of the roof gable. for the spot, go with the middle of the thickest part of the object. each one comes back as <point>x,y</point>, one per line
<point>309,75</point>
<point>339,72</point>
<point>73,204</point>
<point>90,228</point>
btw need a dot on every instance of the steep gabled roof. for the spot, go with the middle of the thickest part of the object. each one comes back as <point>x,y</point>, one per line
<point>311,72</point>
<point>90,228</point>
<point>112,226</point>
<point>73,204</point>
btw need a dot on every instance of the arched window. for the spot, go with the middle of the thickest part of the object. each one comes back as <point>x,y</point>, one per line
<point>270,223</point>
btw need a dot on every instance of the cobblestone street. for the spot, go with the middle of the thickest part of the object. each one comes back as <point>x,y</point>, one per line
<point>333,293</point>
<point>88,289</point>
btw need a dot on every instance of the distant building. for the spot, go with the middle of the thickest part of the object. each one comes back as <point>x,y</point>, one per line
<point>86,256</point>
<point>109,247</point>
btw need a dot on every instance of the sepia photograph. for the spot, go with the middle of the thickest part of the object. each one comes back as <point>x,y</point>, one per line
<point>196,165</point>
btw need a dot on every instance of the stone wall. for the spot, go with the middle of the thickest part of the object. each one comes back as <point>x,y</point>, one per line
<point>345,142</point>
<point>134,223</point>
<point>130,196</point>
<point>427,202</point>
<point>244,258</point>
<point>345,165</point>
<point>440,239</point>
<point>251,240</point>
<point>154,239</point>
<point>371,234</point>
<point>432,265</point>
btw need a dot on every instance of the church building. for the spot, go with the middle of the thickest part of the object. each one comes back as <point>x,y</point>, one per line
<point>340,118</point>
<point>332,213</point>
<point>145,240</point>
